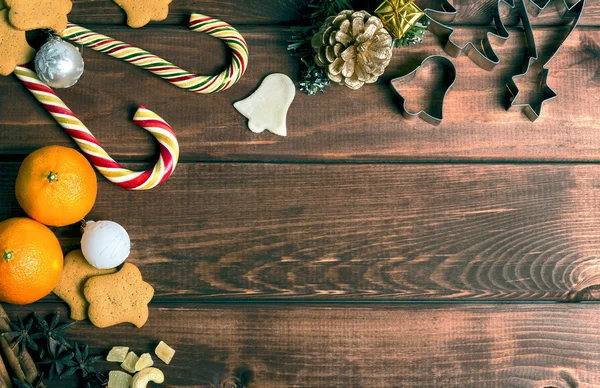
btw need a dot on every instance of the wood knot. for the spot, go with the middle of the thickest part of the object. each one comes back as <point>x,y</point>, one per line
<point>589,293</point>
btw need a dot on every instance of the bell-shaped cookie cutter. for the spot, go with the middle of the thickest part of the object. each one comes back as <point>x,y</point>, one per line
<point>431,116</point>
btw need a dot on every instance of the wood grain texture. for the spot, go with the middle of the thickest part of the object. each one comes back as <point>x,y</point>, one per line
<point>359,232</point>
<point>342,125</point>
<point>507,346</point>
<point>474,12</point>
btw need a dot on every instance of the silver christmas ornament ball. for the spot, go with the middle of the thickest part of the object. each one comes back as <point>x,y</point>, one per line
<point>59,64</point>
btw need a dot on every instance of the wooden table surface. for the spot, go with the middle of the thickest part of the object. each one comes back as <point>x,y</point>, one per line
<point>362,250</point>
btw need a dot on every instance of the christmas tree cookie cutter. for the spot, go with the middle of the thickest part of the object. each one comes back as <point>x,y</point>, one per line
<point>434,114</point>
<point>572,14</point>
<point>484,57</point>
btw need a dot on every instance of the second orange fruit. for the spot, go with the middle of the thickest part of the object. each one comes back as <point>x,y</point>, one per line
<point>31,261</point>
<point>56,186</point>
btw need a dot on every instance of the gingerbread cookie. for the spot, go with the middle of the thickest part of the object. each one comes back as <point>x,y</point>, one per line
<point>141,12</point>
<point>118,298</point>
<point>75,273</point>
<point>27,15</point>
<point>14,49</point>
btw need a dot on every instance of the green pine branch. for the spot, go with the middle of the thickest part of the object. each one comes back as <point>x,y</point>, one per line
<point>313,79</point>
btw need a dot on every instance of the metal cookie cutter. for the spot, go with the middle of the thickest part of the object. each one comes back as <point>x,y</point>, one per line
<point>571,14</point>
<point>482,54</point>
<point>434,114</point>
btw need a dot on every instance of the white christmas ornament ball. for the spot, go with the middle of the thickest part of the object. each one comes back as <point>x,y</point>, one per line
<point>105,244</point>
<point>59,64</point>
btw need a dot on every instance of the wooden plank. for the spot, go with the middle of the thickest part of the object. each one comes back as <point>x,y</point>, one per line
<point>232,11</point>
<point>475,12</point>
<point>359,232</point>
<point>513,346</point>
<point>341,125</point>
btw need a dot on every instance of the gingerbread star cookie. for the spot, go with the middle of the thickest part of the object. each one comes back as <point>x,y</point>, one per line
<point>118,298</point>
<point>14,49</point>
<point>76,272</point>
<point>27,15</point>
<point>141,12</point>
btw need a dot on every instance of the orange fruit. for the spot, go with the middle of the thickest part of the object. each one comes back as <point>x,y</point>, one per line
<point>56,186</point>
<point>31,261</point>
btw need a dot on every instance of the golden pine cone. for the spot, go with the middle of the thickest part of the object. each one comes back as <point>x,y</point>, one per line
<point>355,48</point>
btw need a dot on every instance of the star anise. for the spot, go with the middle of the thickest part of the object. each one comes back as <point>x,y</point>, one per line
<point>95,380</point>
<point>52,330</point>
<point>38,383</point>
<point>83,361</point>
<point>21,334</point>
<point>59,359</point>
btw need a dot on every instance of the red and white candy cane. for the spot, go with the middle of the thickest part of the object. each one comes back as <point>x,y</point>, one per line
<point>169,147</point>
<point>166,70</point>
<point>113,171</point>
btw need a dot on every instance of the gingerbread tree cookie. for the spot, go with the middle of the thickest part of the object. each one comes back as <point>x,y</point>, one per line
<point>118,298</point>
<point>75,273</point>
<point>30,15</point>
<point>141,12</point>
<point>14,49</point>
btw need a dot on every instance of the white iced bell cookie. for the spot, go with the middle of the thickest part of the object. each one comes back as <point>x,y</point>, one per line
<point>105,244</point>
<point>267,107</point>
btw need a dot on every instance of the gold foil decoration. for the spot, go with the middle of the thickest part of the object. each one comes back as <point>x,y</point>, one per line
<point>399,16</point>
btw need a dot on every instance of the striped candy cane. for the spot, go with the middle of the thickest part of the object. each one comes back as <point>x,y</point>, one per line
<point>166,70</point>
<point>113,171</point>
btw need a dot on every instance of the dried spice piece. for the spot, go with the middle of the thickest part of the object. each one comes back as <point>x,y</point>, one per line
<point>52,330</point>
<point>38,383</point>
<point>83,361</point>
<point>95,380</point>
<point>21,334</point>
<point>5,380</point>
<point>59,360</point>
<point>20,362</point>
<point>354,47</point>
<point>12,360</point>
